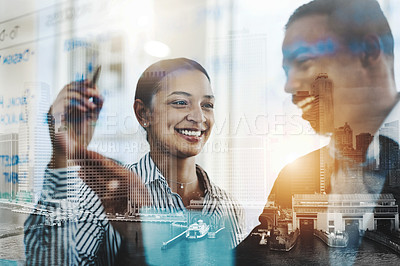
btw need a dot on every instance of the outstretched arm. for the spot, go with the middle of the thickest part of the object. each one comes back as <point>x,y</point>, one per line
<point>71,227</point>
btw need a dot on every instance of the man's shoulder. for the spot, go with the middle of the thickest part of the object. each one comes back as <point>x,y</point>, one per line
<point>300,176</point>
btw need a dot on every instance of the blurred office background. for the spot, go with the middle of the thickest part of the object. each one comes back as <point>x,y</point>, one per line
<point>47,44</point>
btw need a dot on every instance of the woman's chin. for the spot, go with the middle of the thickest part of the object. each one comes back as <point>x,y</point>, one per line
<point>183,150</point>
<point>186,153</point>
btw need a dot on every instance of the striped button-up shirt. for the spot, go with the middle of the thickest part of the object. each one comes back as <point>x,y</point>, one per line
<point>216,202</point>
<point>71,227</point>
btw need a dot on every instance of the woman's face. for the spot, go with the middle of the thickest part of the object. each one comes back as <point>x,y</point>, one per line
<point>182,114</point>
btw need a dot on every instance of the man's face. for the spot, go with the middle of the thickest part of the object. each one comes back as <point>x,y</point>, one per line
<point>311,48</point>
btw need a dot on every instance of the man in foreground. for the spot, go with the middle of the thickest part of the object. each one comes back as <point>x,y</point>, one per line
<point>338,59</point>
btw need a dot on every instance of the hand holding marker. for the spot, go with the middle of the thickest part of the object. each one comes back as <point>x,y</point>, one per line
<point>93,83</point>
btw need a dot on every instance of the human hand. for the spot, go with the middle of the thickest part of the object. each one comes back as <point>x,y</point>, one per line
<point>73,115</point>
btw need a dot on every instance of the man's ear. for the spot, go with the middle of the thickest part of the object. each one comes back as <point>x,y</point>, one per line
<point>372,50</point>
<point>142,113</point>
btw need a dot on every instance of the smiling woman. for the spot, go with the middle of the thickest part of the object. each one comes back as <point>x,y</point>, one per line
<point>179,117</point>
<point>174,103</point>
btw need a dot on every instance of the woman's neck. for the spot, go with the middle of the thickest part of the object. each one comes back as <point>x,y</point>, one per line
<point>173,168</point>
<point>180,173</point>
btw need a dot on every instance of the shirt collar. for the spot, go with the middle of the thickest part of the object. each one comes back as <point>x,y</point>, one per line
<point>209,187</point>
<point>153,174</point>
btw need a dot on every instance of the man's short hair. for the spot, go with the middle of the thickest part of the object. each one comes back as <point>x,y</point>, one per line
<point>351,20</point>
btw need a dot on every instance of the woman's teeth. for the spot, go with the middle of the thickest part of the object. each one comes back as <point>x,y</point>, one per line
<point>189,133</point>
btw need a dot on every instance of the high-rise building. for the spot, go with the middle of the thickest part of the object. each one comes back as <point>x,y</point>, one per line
<point>344,137</point>
<point>344,144</point>
<point>237,151</point>
<point>322,89</point>
<point>389,146</point>
<point>9,161</point>
<point>106,178</point>
<point>362,142</point>
<point>33,142</point>
<point>390,130</point>
<point>389,152</point>
<point>311,173</point>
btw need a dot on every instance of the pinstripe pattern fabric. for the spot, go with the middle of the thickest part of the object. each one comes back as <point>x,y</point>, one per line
<point>72,228</point>
<point>216,203</point>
